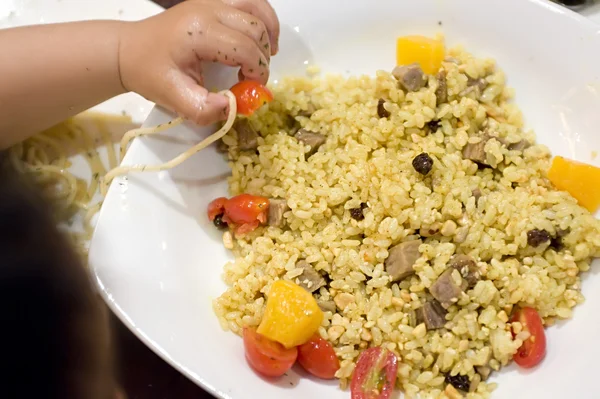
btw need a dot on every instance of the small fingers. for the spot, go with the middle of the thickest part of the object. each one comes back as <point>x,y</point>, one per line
<point>194,102</point>
<point>248,25</point>
<point>263,11</point>
<point>233,48</point>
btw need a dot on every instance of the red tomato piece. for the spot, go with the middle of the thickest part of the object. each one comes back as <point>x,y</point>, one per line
<point>246,208</point>
<point>318,358</point>
<point>267,357</point>
<point>216,208</point>
<point>250,96</point>
<point>375,374</point>
<point>246,228</point>
<point>533,350</point>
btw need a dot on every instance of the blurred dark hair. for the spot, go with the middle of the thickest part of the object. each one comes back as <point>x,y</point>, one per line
<point>54,336</point>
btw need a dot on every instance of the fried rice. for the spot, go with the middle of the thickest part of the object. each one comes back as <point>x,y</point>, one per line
<point>459,207</point>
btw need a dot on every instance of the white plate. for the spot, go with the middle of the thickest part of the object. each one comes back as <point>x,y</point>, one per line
<point>159,262</point>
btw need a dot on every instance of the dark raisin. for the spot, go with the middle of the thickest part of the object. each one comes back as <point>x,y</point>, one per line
<point>423,163</point>
<point>556,241</point>
<point>434,125</point>
<point>537,237</point>
<point>219,222</point>
<point>458,381</point>
<point>381,111</point>
<point>357,213</point>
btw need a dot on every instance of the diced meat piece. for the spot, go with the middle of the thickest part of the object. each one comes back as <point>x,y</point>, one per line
<point>467,267</point>
<point>477,194</point>
<point>311,139</point>
<point>247,136</point>
<point>326,306</point>
<point>445,289</point>
<point>401,259</point>
<point>480,84</point>
<point>501,140</point>
<point>310,279</point>
<point>222,147</point>
<point>381,111</point>
<point>432,314</point>
<point>483,371</point>
<point>441,93</point>
<point>474,85</point>
<point>277,207</point>
<point>520,146</point>
<point>476,151</point>
<point>410,77</point>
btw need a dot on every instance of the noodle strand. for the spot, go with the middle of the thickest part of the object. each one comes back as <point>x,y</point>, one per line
<point>45,157</point>
<point>178,160</point>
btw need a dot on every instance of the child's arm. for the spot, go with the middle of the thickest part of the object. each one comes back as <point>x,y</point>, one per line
<point>51,72</point>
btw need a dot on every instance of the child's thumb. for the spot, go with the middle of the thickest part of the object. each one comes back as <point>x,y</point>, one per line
<point>195,103</point>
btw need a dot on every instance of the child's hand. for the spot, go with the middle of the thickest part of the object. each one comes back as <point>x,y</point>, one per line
<point>160,57</point>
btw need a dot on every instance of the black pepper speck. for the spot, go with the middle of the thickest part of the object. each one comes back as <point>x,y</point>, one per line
<point>537,237</point>
<point>423,163</point>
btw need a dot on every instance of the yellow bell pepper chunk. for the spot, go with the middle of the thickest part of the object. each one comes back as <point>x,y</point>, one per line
<point>580,180</point>
<point>292,315</point>
<point>428,53</point>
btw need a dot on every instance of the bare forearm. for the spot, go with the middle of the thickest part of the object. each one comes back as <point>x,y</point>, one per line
<point>51,72</point>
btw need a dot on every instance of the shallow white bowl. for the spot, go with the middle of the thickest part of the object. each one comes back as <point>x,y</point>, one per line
<point>158,261</point>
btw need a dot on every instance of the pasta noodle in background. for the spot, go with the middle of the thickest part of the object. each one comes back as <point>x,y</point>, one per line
<point>49,156</point>
<point>87,141</point>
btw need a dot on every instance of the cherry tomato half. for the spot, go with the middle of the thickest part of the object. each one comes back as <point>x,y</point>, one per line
<point>318,358</point>
<point>250,96</point>
<point>267,357</point>
<point>375,374</point>
<point>216,208</point>
<point>533,350</point>
<point>246,208</point>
